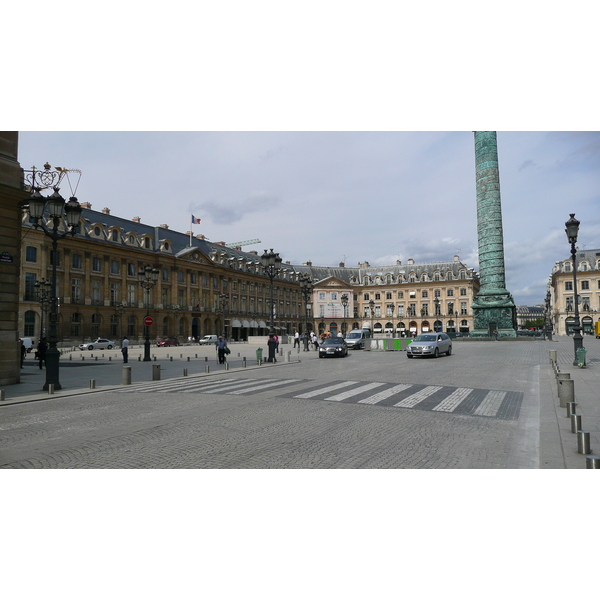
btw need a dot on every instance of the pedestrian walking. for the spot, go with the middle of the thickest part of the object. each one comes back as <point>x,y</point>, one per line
<point>222,348</point>
<point>41,352</point>
<point>296,339</point>
<point>23,353</point>
<point>272,345</point>
<point>125,349</point>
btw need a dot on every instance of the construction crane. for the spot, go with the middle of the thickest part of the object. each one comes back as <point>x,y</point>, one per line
<point>244,243</point>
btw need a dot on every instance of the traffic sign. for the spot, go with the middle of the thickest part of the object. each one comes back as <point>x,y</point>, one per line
<point>148,321</point>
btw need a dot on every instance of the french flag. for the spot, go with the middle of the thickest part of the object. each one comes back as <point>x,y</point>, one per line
<point>195,219</point>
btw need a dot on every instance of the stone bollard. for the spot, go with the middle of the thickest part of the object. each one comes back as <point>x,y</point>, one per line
<point>592,462</point>
<point>155,372</point>
<point>51,388</point>
<point>566,391</point>
<point>553,356</point>
<point>288,357</point>
<point>2,395</point>
<point>126,376</point>
<point>583,442</point>
<point>571,409</point>
<point>92,384</point>
<point>575,423</point>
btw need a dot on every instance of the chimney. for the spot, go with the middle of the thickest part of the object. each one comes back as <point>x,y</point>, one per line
<point>255,252</point>
<point>86,205</point>
<point>136,220</point>
<point>189,233</point>
<point>308,263</point>
<point>164,226</point>
<point>342,265</point>
<point>106,211</point>
<point>398,262</point>
<point>410,261</point>
<point>220,243</point>
<point>200,237</point>
<point>456,258</point>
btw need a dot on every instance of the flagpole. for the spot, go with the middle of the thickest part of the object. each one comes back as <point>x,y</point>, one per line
<point>191,224</point>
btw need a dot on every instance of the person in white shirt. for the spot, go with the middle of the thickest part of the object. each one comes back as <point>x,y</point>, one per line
<point>125,349</point>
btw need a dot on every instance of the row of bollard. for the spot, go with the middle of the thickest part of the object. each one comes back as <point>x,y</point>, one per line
<point>566,397</point>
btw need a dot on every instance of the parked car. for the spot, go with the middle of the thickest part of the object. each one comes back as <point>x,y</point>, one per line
<point>168,342</point>
<point>208,339</point>
<point>430,344</point>
<point>357,338</point>
<point>28,343</point>
<point>335,346</point>
<point>99,344</point>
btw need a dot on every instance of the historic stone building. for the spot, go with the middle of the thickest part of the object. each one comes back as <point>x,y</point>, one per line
<point>562,297</point>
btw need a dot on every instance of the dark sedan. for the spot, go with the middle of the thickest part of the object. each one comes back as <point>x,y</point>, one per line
<point>168,342</point>
<point>333,347</point>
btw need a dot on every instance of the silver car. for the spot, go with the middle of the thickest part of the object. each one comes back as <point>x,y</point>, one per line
<point>430,344</point>
<point>99,344</point>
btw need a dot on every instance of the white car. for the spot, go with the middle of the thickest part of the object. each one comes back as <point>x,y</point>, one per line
<point>209,339</point>
<point>99,344</point>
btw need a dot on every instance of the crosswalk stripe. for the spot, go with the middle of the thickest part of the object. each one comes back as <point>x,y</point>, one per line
<point>218,387</point>
<point>419,396</point>
<point>320,391</point>
<point>491,403</point>
<point>385,394</point>
<point>264,386</point>
<point>188,384</point>
<point>453,400</point>
<point>354,392</point>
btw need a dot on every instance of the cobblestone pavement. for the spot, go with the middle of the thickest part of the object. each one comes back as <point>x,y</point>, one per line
<point>479,408</point>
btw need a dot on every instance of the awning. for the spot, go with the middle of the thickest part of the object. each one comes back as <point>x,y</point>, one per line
<point>245,323</point>
<point>236,323</point>
<point>262,324</point>
<point>253,324</point>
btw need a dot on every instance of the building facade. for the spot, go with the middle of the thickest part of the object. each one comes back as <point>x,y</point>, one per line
<point>562,296</point>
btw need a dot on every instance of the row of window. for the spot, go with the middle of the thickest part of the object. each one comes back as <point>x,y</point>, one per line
<point>584,285</point>
<point>410,278</point>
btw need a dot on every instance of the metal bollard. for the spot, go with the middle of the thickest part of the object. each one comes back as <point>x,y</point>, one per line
<point>207,369</point>
<point>83,358</point>
<point>139,358</point>
<point>181,356</point>
<point>206,359</point>
<point>244,362</point>
<point>288,357</point>
<point>196,356</point>
<point>154,358</point>
<point>571,409</point>
<point>592,462</point>
<point>2,395</point>
<point>155,372</point>
<point>188,359</point>
<point>51,388</point>
<point>575,423</point>
<point>126,376</point>
<point>171,359</point>
<point>109,358</point>
<point>566,391</point>
<point>227,366</point>
<point>92,384</point>
<point>96,359</point>
<point>583,442</point>
<point>70,357</point>
<point>185,372</point>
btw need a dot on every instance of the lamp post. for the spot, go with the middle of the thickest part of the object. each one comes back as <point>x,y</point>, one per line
<point>148,277</point>
<point>120,311</point>
<point>436,301</point>
<point>57,209</point>
<point>223,300</point>
<point>271,262</point>
<point>548,317</point>
<point>372,309</point>
<point>344,300</point>
<point>306,286</point>
<point>44,297</point>
<point>572,230</point>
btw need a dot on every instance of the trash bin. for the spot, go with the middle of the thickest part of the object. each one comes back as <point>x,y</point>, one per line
<point>581,352</point>
<point>259,352</point>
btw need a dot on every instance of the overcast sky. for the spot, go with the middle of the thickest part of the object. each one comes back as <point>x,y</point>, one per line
<point>332,197</point>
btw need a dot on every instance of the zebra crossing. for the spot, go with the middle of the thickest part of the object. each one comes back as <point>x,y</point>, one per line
<point>463,401</point>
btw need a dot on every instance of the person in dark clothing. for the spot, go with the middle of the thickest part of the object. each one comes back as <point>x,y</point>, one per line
<point>23,353</point>
<point>41,350</point>
<point>221,345</point>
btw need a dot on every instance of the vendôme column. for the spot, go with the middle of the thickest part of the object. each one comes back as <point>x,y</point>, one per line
<point>493,307</point>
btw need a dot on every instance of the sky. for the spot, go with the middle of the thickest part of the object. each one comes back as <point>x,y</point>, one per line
<point>342,196</point>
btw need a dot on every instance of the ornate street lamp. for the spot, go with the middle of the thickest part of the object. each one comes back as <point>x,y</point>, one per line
<point>176,309</point>
<point>120,309</point>
<point>344,300</point>
<point>548,317</point>
<point>223,300</point>
<point>372,309</point>
<point>306,286</point>
<point>438,314</point>
<point>271,262</point>
<point>57,210</point>
<point>44,297</point>
<point>148,277</point>
<point>572,230</point>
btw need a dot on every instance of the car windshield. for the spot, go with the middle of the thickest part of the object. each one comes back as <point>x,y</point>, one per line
<point>353,336</point>
<point>332,341</point>
<point>427,337</point>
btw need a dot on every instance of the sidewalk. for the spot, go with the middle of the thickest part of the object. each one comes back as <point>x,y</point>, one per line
<point>558,445</point>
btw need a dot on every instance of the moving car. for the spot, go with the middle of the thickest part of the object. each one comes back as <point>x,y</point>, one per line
<point>99,344</point>
<point>208,339</point>
<point>335,346</point>
<point>168,342</point>
<point>430,344</point>
<point>357,338</point>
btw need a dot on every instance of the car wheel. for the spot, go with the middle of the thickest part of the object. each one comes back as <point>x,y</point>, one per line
<point>449,351</point>
<point>90,347</point>
<point>109,347</point>
<point>436,353</point>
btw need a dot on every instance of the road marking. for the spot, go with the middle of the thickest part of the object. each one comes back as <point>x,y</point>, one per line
<point>385,394</point>
<point>419,396</point>
<point>453,400</point>
<point>491,404</point>
<point>354,392</point>
<point>318,392</point>
<point>263,386</point>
